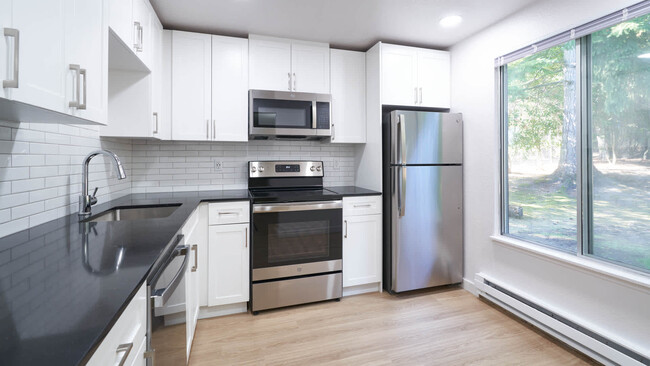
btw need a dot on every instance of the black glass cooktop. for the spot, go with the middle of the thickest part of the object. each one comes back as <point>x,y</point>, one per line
<point>293,195</point>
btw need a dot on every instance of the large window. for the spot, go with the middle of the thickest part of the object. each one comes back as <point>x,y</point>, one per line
<point>576,136</point>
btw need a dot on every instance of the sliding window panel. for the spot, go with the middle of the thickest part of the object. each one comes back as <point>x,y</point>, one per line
<point>619,123</point>
<point>540,117</point>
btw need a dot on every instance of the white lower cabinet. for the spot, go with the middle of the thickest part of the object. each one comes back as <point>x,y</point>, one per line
<point>125,342</point>
<point>195,235</point>
<point>228,255</point>
<point>362,241</point>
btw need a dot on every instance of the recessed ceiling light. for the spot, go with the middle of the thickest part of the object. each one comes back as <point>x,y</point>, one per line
<point>645,55</point>
<point>451,21</point>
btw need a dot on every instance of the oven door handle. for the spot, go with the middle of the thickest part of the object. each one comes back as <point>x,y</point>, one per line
<point>161,296</point>
<point>297,206</point>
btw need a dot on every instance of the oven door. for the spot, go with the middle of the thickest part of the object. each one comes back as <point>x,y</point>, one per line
<point>291,239</point>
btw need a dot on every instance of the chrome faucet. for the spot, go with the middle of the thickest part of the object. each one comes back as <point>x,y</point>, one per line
<point>85,200</point>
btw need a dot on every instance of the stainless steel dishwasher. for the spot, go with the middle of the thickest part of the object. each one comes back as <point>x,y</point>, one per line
<point>166,332</point>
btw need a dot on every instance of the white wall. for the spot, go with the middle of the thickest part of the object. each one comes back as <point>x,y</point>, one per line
<point>612,307</point>
<point>40,171</point>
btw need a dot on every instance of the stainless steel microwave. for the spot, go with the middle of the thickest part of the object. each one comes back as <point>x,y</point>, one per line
<point>290,115</point>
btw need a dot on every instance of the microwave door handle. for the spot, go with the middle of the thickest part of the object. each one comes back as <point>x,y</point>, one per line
<point>314,115</point>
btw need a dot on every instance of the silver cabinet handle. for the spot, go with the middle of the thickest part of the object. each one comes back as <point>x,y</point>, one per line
<point>15,33</point>
<point>294,82</point>
<point>246,240</point>
<point>139,31</point>
<point>289,74</point>
<point>229,213</point>
<point>346,228</point>
<point>364,205</point>
<point>155,116</point>
<point>333,132</point>
<point>195,248</point>
<point>77,101</point>
<point>207,129</point>
<point>416,94</point>
<point>82,72</point>
<point>420,95</point>
<point>126,348</point>
<point>214,129</point>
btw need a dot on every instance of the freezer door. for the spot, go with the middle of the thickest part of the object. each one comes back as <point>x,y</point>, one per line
<point>426,138</point>
<point>426,226</point>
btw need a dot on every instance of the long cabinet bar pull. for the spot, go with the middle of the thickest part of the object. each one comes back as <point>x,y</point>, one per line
<point>246,240</point>
<point>82,72</point>
<point>294,82</point>
<point>195,248</point>
<point>155,115</point>
<point>77,101</point>
<point>214,129</point>
<point>289,74</point>
<point>364,205</point>
<point>207,129</point>
<point>346,228</point>
<point>420,95</point>
<point>126,348</point>
<point>15,33</point>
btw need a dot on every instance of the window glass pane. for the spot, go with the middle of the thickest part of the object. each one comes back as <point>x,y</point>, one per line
<point>541,148</point>
<point>620,126</point>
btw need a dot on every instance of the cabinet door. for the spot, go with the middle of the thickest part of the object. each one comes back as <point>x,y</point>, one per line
<point>361,250</point>
<point>6,48</point>
<point>434,78</point>
<point>310,67</point>
<point>159,127</point>
<point>228,254</point>
<point>230,88</point>
<point>142,22</point>
<point>399,75</point>
<point>42,61</point>
<point>269,63</point>
<point>191,92</point>
<point>121,19</point>
<point>191,298</point>
<point>86,46</point>
<point>348,74</point>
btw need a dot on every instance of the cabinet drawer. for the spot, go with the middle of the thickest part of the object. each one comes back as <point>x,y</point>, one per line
<point>128,331</point>
<point>228,213</point>
<point>361,205</point>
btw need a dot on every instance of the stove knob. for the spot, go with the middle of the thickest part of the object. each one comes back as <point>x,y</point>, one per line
<point>261,169</point>
<point>312,168</point>
<point>318,168</point>
<point>253,169</point>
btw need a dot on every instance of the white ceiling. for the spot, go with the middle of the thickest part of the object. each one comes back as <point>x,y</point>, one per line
<point>349,24</point>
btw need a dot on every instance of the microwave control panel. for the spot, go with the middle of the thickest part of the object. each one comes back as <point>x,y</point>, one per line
<point>322,115</point>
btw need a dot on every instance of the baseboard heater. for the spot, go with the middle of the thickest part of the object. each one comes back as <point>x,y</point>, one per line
<point>581,338</point>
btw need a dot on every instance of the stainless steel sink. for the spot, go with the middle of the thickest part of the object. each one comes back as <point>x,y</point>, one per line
<point>129,213</point>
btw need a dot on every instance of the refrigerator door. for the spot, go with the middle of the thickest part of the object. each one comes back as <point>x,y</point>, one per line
<point>426,226</point>
<point>426,138</point>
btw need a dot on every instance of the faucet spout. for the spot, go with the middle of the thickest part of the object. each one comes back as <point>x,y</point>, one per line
<point>85,200</point>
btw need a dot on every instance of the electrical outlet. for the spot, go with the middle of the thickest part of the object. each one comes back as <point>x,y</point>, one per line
<point>336,164</point>
<point>218,165</point>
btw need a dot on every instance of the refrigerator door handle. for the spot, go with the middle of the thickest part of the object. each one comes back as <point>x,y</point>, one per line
<point>402,137</point>
<point>400,178</point>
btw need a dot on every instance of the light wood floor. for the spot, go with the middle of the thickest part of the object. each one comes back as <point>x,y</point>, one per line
<point>448,327</point>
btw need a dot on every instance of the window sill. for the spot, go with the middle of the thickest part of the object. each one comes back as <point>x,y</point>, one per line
<point>628,277</point>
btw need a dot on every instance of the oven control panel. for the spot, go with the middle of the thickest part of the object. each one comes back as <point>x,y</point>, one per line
<point>266,169</point>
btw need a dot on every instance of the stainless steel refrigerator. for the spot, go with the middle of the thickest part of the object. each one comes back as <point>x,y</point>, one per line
<point>423,194</point>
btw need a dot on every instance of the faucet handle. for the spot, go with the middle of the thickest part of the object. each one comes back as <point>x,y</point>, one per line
<point>93,199</point>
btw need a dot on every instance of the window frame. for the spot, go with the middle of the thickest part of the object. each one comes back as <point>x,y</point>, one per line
<point>584,171</point>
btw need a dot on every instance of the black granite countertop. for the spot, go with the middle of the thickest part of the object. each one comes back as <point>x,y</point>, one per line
<point>57,301</point>
<point>63,284</point>
<point>352,191</point>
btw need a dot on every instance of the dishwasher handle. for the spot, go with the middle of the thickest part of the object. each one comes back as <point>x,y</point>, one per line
<point>160,296</point>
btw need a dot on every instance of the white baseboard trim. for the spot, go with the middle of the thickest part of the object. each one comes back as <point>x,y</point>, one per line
<point>561,328</point>
<point>361,289</point>
<point>470,287</point>
<point>221,310</point>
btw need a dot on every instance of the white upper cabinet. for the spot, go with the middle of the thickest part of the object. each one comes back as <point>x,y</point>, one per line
<point>310,67</point>
<point>415,76</point>
<point>86,52</point>
<point>121,19</point>
<point>142,31</point>
<point>191,80</point>
<point>269,63</point>
<point>348,82</point>
<point>230,88</point>
<point>41,59</point>
<point>288,65</point>
<point>160,114</point>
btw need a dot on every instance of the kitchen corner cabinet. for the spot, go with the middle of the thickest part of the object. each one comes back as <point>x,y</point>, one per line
<point>288,65</point>
<point>348,83</point>
<point>125,343</point>
<point>132,21</point>
<point>362,240</point>
<point>210,83</point>
<point>415,77</point>
<point>228,253</point>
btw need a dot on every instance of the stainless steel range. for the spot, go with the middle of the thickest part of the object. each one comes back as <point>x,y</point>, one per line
<point>296,235</point>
